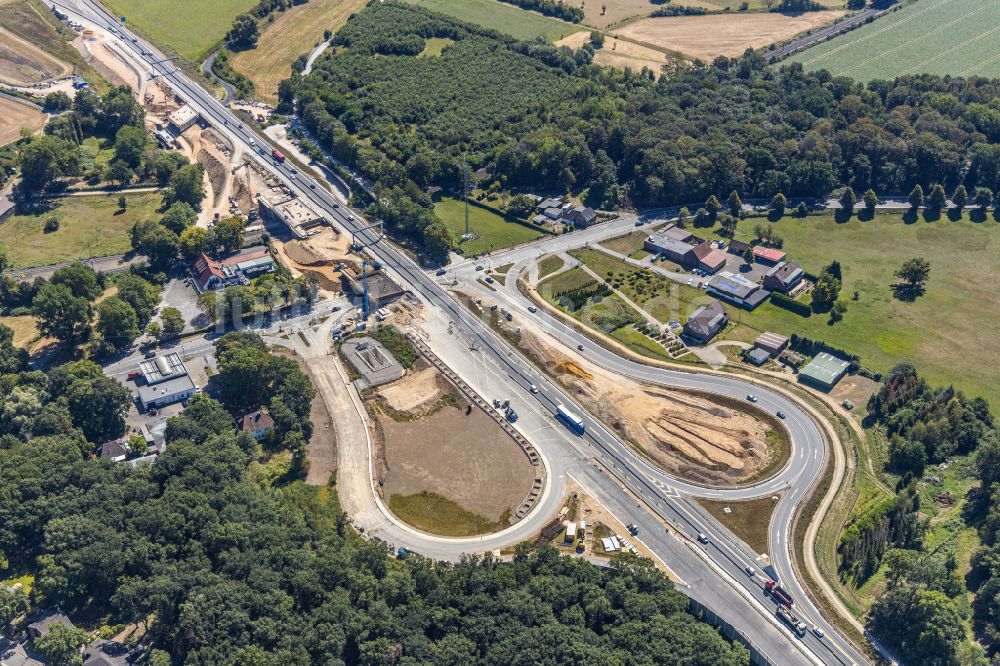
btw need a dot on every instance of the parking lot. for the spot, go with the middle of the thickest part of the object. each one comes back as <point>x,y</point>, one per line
<point>179,294</point>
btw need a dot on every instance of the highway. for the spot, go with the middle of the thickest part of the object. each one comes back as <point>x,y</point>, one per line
<point>714,571</point>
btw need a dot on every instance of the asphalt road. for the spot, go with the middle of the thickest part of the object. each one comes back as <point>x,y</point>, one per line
<point>826,33</point>
<point>716,568</point>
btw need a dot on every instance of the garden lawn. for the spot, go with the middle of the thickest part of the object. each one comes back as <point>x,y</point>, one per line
<point>191,28</point>
<point>949,333</point>
<point>89,226</point>
<point>503,18</point>
<point>493,231</point>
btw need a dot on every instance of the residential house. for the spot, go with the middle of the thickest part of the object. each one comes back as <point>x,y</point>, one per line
<point>106,653</point>
<point>581,217</point>
<point>706,322</point>
<point>768,255</point>
<point>783,277</point>
<point>738,290</point>
<point>117,450</point>
<point>236,268</point>
<point>46,620</point>
<point>258,424</point>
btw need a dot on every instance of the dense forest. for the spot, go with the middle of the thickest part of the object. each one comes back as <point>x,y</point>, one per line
<point>226,569</point>
<point>544,118</point>
<point>923,612</point>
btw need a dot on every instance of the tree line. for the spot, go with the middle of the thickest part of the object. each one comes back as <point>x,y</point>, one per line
<point>623,138</point>
<point>220,567</point>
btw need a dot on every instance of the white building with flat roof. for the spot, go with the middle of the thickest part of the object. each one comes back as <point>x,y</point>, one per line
<point>183,118</point>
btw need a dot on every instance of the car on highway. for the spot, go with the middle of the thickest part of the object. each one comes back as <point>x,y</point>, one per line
<point>750,570</point>
<point>819,632</point>
<point>534,389</point>
<point>532,308</point>
<point>252,142</point>
<point>702,537</point>
<point>751,397</point>
<point>580,347</point>
<point>351,218</point>
<point>312,184</point>
<point>632,528</point>
<point>780,414</point>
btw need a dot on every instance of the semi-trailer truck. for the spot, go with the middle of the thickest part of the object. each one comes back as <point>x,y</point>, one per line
<point>569,419</point>
<point>779,593</point>
<point>797,625</point>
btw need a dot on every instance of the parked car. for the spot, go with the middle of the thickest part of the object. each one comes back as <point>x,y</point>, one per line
<point>135,374</point>
<point>150,354</point>
<point>441,271</point>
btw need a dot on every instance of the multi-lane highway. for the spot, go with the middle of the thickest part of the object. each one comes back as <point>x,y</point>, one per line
<point>635,492</point>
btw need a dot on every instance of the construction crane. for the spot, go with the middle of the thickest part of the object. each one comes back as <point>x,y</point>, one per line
<point>359,247</point>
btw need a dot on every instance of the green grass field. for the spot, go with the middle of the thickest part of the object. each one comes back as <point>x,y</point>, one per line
<point>191,28</point>
<point>955,37</point>
<point>503,18</point>
<point>439,515</point>
<point>88,227</point>
<point>948,333</point>
<point>492,231</point>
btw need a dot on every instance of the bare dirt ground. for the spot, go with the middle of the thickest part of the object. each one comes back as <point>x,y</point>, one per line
<point>620,54</point>
<point>14,116</point>
<point>465,458</point>
<point>416,391</point>
<point>24,64</point>
<point>706,37</point>
<point>858,390</point>
<point>682,433</point>
<point>323,443</point>
<point>317,256</point>
<point>111,66</point>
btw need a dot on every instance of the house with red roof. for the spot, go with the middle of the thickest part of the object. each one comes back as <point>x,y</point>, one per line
<point>709,259</point>
<point>768,255</point>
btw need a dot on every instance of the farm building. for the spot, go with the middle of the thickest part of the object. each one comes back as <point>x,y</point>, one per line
<point>783,277</point>
<point>709,259</point>
<point>772,343</point>
<point>706,322</point>
<point>738,290</point>
<point>675,250</point>
<point>758,357</point>
<point>739,248</point>
<point>553,213</point>
<point>768,255</point>
<point>824,371</point>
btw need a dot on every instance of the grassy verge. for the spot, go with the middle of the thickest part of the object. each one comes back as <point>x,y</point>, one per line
<point>549,265</point>
<point>25,329</point>
<point>749,520</point>
<point>439,515</point>
<point>89,226</point>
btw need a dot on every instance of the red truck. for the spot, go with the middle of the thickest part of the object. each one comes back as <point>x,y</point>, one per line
<point>778,593</point>
<point>278,155</point>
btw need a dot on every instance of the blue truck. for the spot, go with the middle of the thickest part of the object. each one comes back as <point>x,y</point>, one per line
<point>569,419</point>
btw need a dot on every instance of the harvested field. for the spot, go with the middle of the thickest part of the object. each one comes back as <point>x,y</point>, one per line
<point>294,32</point>
<point>24,64</point>
<point>14,116</point>
<point>621,54</point>
<point>615,11</point>
<point>706,37</point>
<point>436,455</point>
<point>695,437</point>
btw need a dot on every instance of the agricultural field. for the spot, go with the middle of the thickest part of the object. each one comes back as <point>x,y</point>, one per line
<point>294,32</point>
<point>14,116</point>
<point>943,333</point>
<point>620,53</point>
<point>751,4</point>
<point>24,64</point>
<point>191,29</point>
<point>956,37</point>
<point>492,231</point>
<point>712,35</point>
<point>89,226</point>
<point>503,18</point>
<point>611,12</point>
